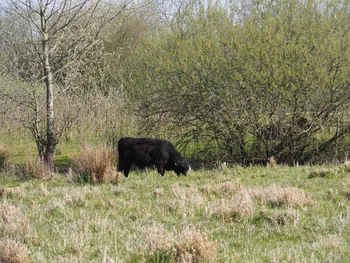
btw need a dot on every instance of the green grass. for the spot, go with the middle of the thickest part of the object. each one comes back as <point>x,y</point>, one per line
<point>70,222</point>
<point>22,146</point>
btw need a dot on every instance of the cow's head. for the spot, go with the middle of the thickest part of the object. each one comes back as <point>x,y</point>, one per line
<point>181,167</point>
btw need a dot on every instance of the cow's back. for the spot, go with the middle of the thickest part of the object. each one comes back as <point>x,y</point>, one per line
<point>144,151</point>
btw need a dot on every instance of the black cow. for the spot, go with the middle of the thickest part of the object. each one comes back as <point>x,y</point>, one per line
<point>146,152</point>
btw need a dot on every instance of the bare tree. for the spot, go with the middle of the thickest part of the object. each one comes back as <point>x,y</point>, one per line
<point>58,33</point>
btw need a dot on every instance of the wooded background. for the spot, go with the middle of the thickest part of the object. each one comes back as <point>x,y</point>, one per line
<point>237,81</point>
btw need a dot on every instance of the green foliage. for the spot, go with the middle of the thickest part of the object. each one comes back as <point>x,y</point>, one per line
<point>252,86</point>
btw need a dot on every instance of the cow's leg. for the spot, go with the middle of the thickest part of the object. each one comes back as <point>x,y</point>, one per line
<point>120,167</point>
<point>127,169</point>
<point>160,168</point>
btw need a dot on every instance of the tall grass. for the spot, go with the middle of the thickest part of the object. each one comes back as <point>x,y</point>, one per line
<point>34,168</point>
<point>95,165</point>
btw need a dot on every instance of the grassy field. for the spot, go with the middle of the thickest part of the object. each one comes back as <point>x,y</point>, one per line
<point>254,214</point>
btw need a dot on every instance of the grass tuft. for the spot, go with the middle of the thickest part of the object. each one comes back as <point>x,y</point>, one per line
<point>226,189</point>
<point>272,163</point>
<point>95,165</point>
<point>186,247</point>
<point>194,246</point>
<point>34,168</point>
<point>158,192</point>
<point>12,222</point>
<point>237,208</point>
<point>159,239</point>
<point>8,213</point>
<point>277,196</point>
<point>13,252</point>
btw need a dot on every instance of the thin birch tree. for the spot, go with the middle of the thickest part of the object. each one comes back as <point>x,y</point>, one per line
<point>57,34</point>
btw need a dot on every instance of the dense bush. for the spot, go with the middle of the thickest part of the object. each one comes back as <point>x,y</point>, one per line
<point>256,81</point>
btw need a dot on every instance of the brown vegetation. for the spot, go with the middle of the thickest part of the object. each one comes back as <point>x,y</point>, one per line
<point>34,168</point>
<point>347,162</point>
<point>95,165</point>
<point>13,252</point>
<point>12,222</point>
<point>275,195</point>
<point>272,163</point>
<point>186,247</point>
<point>9,192</point>
<point>237,208</point>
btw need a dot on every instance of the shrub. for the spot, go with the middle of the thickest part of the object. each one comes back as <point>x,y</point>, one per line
<point>95,165</point>
<point>13,252</point>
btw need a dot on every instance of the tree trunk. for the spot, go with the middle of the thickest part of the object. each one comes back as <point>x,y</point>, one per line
<point>50,133</point>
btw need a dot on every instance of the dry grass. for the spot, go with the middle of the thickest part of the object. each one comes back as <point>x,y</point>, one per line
<point>226,189</point>
<point>194,246</point>
<point>275,195</point>
<point>237,208</point>
<point>12,222</point>
<point>347,165</point>
<point>272,163</point>
<point>8,213</point>
<point>13,252</point>
<point>279,217</point>
<point>186,247</point>
<point>347,188</point>
<point>34,168</point>
<point>158,239</point>
<point>231,201</point>
<point>10,192</point>
<point>158,192</point>
<point>347,162</point>
<point>95,165</point>
<point>330,242</point>
<point>187,195</point>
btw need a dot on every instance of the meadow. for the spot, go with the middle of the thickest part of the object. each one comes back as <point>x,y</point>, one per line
<point>228,214</point>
